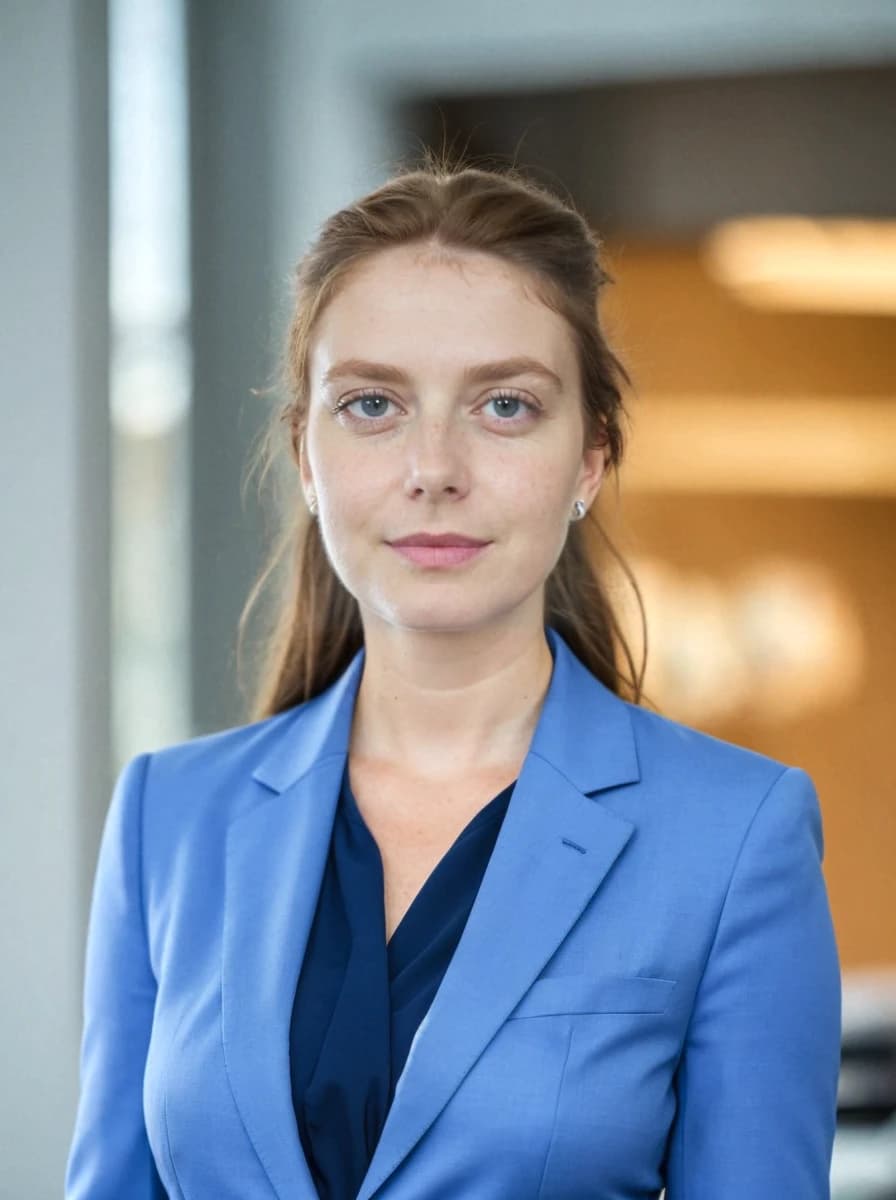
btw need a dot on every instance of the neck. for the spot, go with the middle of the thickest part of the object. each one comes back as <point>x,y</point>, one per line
<point>443,705</point>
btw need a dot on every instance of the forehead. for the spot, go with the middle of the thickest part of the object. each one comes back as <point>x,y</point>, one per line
<point>421,305</point>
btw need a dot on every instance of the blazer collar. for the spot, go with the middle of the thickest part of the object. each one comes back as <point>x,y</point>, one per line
<point>554,849</point>
<point>584,730</point>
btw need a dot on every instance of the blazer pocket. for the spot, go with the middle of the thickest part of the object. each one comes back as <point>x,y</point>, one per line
<point>600,994</point>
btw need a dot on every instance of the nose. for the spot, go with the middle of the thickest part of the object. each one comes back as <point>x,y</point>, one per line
<point>437,459</point>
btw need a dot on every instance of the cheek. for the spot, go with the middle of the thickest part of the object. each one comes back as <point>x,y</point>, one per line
<point>544,506</point>
<point>536,470</point>
<point>350,521</point>
<point>536,499</point>
<point>535,530</point>
<point>354,501</point>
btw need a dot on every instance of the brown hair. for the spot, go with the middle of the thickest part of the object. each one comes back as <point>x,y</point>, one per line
<point>316,625</point>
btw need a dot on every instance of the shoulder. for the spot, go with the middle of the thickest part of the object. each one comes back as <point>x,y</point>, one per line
<point>710,785</point>
<point>711,811</point>
<point>679,751</point>
<point>210,776</point>
<point>223,749</point>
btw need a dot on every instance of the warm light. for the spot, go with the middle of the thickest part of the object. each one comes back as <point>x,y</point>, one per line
<point>775,641</point>
<point>830,265</point>
<point>779,445</point>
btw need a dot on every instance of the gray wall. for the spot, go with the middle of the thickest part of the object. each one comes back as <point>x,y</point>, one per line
<point>234,283</point>
<point>54,591</point>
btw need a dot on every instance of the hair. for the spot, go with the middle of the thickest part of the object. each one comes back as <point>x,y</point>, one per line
<point>315,626</point>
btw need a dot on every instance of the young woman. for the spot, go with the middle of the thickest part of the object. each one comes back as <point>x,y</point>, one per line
<point>456,915</point>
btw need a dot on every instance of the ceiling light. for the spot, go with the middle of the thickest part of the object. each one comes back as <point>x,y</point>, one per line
<point>793,262</point>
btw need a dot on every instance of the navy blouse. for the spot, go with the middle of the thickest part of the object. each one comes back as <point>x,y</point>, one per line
<point>359,1000</point>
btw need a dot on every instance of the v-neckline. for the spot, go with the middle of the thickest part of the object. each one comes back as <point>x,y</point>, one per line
<point>479,821</point>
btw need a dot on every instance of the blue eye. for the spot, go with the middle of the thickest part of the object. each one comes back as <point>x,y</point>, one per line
<point>503,399</point>
<point>379,402</point>
<point>369,399</point>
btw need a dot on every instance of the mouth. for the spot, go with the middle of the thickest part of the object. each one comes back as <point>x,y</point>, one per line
<point>438,539</point>
<point>451,554</point>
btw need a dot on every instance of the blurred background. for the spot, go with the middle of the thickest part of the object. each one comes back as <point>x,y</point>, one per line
<point>165,165</point>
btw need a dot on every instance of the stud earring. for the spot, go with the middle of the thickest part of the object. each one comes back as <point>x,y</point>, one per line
<point>578,510</point>
<point>312,506</point>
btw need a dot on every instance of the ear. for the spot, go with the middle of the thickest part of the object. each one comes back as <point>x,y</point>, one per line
<point>591,473</point>
<point>304,468</point>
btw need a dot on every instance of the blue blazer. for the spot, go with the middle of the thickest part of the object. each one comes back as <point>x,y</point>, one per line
<point>646,993</point>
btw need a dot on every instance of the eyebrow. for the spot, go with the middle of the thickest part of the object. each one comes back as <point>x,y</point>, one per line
<point>487,372</point>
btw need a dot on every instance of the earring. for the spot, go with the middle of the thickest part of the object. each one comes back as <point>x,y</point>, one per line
<point>312,506</point>
<point>579,510</point>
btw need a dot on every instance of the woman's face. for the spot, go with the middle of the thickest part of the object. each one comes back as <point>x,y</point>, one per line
<point>422,443</point>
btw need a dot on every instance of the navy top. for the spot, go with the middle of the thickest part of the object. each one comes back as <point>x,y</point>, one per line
<point>358,1001</point>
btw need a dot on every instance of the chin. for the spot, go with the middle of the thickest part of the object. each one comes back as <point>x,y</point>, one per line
<point>446,614</point>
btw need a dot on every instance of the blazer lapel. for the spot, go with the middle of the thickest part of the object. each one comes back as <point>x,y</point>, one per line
<point>276,855</point>
<point>554,849</point>
<point>275,863</point>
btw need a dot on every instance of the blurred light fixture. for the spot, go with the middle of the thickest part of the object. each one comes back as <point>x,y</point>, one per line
<point>695,667</point>
<point>800,635</point>
<point>778,445</point>
<point>778,640</point>
<point>795,262</point>
<point>152,393</point>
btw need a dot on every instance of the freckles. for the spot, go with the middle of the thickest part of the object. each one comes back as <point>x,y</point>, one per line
<point>359,502</point>
<point>516,486</point>
<point>542,497</point>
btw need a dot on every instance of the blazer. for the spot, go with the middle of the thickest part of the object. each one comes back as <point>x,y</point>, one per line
<point>646,992</point>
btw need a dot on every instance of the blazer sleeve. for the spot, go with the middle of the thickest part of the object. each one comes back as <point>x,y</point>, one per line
<point>757,1079</point>
<point>109,1155</point>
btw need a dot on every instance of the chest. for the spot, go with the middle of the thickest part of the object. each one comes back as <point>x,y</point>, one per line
<point>415,822</point>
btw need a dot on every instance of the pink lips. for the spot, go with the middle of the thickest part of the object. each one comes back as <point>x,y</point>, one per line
<point>440,556</point>
<point>437,539</point>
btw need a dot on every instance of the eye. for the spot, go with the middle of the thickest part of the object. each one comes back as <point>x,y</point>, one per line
<point>377,401</point>
<point>507,405</point>
<point>374,405</point>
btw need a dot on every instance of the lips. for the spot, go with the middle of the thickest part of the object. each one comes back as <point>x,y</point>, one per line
<point>438,539</point>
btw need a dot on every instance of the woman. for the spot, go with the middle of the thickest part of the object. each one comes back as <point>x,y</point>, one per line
<point>455,915</point>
